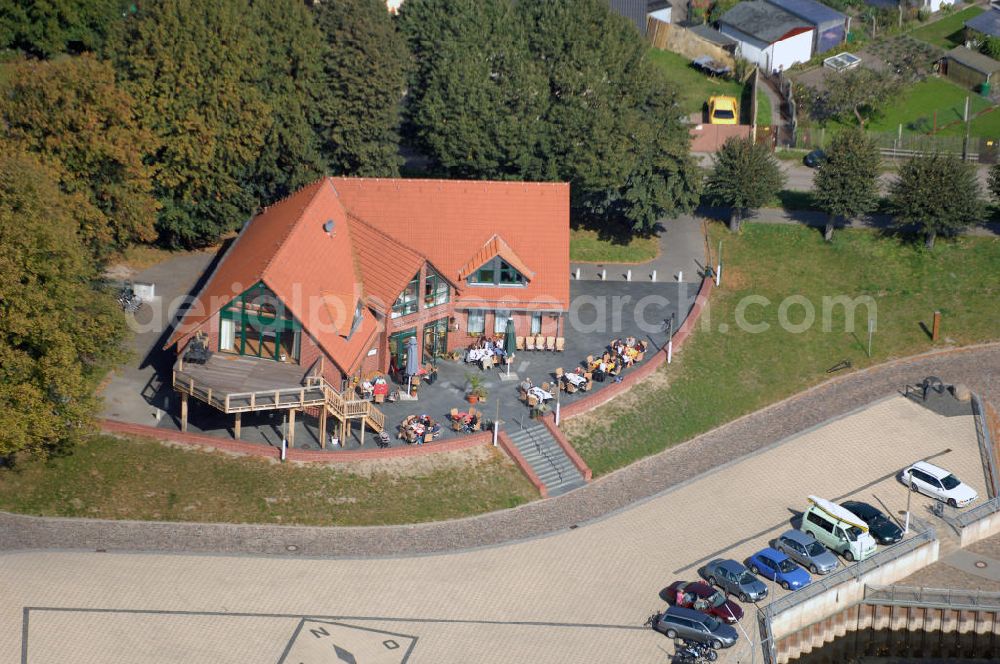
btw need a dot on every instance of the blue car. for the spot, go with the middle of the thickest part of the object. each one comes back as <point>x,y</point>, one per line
<point>777,566</point>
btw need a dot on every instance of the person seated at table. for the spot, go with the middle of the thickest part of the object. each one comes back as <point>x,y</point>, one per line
<point>630,341</point>
<point>526,384</point>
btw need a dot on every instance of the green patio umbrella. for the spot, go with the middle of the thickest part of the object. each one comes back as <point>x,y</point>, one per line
<point>509,342</point>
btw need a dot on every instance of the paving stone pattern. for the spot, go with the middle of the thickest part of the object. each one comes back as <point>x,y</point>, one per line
<point>978,367</point>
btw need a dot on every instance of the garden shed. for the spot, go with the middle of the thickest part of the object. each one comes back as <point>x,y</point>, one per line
<point>984,25</point>
<point>768,36</point>
<point>830,26</point>
<point>970,68</point>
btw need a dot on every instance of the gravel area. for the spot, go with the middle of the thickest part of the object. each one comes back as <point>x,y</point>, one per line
<point>942,575</point>
<point>978,367</point>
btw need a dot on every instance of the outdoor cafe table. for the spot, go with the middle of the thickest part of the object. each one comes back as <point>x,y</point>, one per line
<point>540,393</point>
<point>577,379</point>
<point>478,354</point>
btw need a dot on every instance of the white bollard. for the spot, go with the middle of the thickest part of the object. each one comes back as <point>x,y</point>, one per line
<point>578,274</point>
<point>654,276</point>
<point>604,275</point>
<point>284,449</point>
<point>718,274</point>
<point>628,275</point>
<point>496,431</point>
<point>680,276</point>
<point>670,351</point>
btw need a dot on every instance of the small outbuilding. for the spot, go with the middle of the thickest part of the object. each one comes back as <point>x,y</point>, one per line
<point>769,36</point>
<point>970,68</point>
<point>830,26</point>
<point>984,25</point>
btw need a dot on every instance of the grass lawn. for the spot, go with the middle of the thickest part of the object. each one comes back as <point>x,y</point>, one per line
<point>695,88</point>
<point>588,247</point>
<point>720,376</point>
<point>113,478</point>
<point>915,107</point>
<point>763,110</point>
<point>947,32</point>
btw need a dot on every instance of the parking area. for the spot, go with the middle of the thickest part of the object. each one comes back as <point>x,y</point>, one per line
<point>577,595</point>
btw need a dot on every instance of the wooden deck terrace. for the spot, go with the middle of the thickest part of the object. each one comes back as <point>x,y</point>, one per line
<point>238,384</point>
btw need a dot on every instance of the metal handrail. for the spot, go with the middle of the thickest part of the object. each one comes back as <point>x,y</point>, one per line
<point>931,597</point>
<point>855,571</point>
<point>965,519</point>
<point>986,446</point>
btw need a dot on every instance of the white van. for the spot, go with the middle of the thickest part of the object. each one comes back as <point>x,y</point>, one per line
<point>838,529</point>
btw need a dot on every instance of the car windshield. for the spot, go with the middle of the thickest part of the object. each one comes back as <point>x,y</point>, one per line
<point>786,566</point>
<point>816,549</point>
<point>711,623</point>
<point>853,533</point>
<point>950,482</point>
<point>717,600</point>
<point>746,579</point>
<point>723,114</point>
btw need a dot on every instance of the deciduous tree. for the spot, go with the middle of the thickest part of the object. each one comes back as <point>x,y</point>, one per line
<point>847,182</point>
<point>57,332</point>
<point>860,92</point>
<point>227,87</point>
<point>365,76</point>
<point>744,177</point>
<point>72,114</point>
<point>44,28</point>
<point>939,194</point>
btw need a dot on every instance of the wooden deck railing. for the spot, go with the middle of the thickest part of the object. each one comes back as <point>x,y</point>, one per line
<point>315,392</point>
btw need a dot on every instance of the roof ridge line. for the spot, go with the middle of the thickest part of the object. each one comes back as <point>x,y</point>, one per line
<point>455,180</point>
<point>298,219</point>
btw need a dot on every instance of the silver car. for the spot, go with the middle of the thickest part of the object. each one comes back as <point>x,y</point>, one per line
<point>734,579</point>
<point>806,551</point>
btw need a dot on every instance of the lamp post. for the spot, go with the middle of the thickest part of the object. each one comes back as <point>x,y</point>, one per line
<point>670,339</point>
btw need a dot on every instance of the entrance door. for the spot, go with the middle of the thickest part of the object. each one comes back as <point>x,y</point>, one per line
<point>398,350</point>
<point>435,339</point>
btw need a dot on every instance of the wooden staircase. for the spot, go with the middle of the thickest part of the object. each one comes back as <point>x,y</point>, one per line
<point>344,410</point>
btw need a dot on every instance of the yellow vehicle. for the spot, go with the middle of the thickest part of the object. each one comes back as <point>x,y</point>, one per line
<point>723,111</point>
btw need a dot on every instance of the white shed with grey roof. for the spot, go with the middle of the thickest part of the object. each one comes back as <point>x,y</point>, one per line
<point>768,36</point>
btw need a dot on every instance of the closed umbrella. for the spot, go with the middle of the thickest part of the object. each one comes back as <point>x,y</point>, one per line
<point>412,360</point>
<point>509,342</point>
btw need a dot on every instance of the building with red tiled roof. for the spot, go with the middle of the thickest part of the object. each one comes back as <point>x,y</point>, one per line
<point>347,269</point>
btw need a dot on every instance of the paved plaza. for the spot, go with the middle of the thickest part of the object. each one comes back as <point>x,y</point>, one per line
<point>580,595</point>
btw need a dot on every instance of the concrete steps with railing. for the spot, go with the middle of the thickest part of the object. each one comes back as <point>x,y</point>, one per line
<point>547,459</point>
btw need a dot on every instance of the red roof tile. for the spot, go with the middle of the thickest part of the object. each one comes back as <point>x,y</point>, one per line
<point>386,265</point>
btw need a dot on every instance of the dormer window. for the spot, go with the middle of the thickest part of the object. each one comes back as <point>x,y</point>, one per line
<point>497,272</point>
<point>358,316</point>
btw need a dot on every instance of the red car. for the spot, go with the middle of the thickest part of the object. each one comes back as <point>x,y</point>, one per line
<point>703,597</point>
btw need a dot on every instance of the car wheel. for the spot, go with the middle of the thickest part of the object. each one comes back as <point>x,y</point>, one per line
<point>716,644</point>
<point>784,584</point>
<point>848,556</point>
<point>814,569</point>
<point>671,633</point>
<point>712,581</point>
<point>951,501</point>
<point>744,597</point>
<point>914,488</point>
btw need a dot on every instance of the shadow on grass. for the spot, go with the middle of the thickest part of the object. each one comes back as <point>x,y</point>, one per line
<point>615,233</point>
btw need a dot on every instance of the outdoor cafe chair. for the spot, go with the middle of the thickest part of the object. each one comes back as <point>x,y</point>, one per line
<point>519,343</point>
<point>550,343</point>
<point>560,344</point>
<point>529,343</point>
<point>570,388</point>
<point>532,401</point>
<point>539,342</point>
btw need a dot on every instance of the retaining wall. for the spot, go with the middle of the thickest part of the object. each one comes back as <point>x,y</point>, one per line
<point>825,605</point>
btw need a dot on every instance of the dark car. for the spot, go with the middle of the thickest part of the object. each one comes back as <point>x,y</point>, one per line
<point>881,527</point>
<point>703,597</point>
<point>735,579</point>
<point>815,159</point>
<point>677,622</point>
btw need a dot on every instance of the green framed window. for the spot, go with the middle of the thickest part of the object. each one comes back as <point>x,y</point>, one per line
<point>406,303</point>
<point>436,289</point>
<point>497,272</point>
<point>257,323</point>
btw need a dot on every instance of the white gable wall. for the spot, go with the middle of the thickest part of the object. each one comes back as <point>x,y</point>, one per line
<point>771,57</point>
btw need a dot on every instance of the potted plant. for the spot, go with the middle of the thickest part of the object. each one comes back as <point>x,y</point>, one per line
<point>477,390</point>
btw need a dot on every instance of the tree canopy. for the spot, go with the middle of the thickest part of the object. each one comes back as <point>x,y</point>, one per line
<point>365,78</point>
<point>847,182</point>
<point>859,92</point>
<point>56,331</point>
<point>939,194</point>
<point>43,28</point>
<point>78,121</point>
<point>230,92</point>
<point>744,177</point>
<point>561,90</point>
